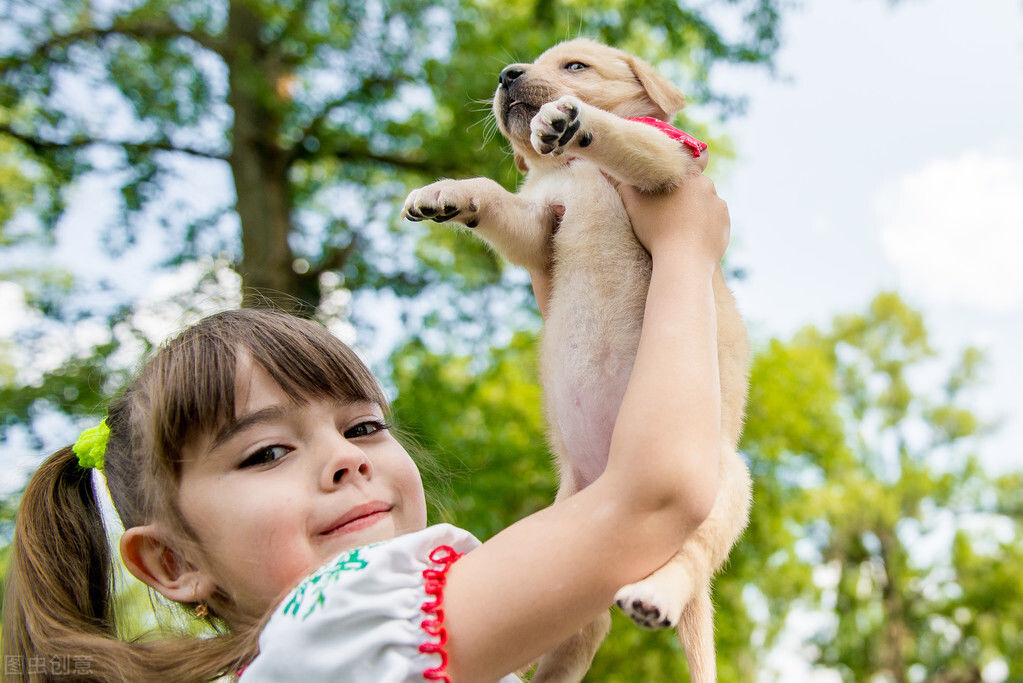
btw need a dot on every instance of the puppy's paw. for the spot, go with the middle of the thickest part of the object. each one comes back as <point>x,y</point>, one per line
<point>648,607</point>
<point>445,200</point>
<point>557,124</point>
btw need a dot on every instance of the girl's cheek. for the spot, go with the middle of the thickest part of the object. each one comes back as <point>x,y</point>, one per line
<point>415,498</point>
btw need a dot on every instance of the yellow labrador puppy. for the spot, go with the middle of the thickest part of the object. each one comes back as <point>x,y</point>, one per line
<point>565,116</point>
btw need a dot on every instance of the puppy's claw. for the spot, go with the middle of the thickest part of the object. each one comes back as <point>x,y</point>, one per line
<point>569,132</point>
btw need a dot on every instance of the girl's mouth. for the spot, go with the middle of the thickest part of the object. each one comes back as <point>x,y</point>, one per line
<point>358,518</point>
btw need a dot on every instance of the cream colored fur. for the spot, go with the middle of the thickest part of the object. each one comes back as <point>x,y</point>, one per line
<point>564,116</point>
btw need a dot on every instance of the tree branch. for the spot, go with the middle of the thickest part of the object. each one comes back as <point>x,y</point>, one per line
<point>141,31</point>
<point>398,161</point>
<point>42,145</point>
<point>328,107</point>
<point>295,19</point>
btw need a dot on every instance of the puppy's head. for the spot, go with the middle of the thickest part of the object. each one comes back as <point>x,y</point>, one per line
<point>597,74</point>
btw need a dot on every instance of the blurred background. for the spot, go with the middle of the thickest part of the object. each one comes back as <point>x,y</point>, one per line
<point>160,160</point>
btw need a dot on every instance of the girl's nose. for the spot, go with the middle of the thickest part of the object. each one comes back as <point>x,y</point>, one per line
<point>345,463</point>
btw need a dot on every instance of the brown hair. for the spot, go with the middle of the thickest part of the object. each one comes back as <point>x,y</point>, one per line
<point>59,596</point>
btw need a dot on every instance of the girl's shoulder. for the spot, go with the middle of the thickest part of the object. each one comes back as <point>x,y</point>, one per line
<point>370,614</point>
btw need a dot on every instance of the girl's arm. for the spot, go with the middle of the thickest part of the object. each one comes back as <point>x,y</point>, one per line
<point>545,577</point>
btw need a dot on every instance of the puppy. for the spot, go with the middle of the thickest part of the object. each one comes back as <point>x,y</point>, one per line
<point>565,116</point>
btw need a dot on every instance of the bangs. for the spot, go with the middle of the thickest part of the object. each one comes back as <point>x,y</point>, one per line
<point>195,373</point>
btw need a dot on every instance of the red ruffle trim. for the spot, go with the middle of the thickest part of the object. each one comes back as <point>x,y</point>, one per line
<point>444,556</point>
<point>674,133</point>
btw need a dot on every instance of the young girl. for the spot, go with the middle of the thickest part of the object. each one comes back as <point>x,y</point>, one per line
<point>258,484</point>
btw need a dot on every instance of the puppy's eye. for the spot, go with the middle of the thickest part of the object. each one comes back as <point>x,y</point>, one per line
<point>576,66</point>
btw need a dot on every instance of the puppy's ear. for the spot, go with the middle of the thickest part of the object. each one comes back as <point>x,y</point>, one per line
<point>520,163</point>
<point>659,89</point>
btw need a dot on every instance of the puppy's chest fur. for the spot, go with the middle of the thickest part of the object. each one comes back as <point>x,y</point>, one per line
<point>600,275</point>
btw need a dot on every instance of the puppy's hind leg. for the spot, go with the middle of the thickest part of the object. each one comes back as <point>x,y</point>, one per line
<point>570,660</point>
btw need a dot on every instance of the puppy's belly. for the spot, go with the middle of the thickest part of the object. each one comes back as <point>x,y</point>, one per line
<point>583,400</point>
<point>591,335</point>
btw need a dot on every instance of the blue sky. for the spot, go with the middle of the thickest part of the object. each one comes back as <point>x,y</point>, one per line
<point>888,154</point>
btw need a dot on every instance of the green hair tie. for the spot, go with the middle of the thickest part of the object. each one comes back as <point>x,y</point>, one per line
<point>91,445</point>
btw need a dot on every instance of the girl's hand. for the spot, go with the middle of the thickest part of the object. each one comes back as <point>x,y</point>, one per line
<point>691,218</point>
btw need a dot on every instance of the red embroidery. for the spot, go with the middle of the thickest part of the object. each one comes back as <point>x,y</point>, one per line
<point>445,556</point>
<point>673,133</point>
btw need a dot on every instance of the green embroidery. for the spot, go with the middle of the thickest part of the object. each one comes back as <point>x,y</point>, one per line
<point>295,600</point>
<point>318,582</point>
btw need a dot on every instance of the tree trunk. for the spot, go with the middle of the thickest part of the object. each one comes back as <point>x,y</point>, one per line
<point>896,632</point>
<point>259,167</point>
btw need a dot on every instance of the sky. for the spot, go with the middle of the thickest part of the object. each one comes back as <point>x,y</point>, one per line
<point>887,154</point>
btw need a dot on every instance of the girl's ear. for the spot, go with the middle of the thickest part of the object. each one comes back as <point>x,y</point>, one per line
<point>152,561</point>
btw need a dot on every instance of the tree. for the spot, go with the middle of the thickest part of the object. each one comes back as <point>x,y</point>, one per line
<point>321,114</point>
<point>909,476</point>
<point>880,478</point>
<point>305,102</point>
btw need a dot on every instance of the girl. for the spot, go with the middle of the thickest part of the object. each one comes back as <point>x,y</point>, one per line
<point>253,450</point>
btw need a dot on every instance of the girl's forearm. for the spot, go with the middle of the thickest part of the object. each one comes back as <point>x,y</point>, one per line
<point>664,448</point>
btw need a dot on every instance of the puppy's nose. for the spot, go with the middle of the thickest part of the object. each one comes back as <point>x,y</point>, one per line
<point>509,74</point>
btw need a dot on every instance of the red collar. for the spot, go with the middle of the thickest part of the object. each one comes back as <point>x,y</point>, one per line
<point>673,133</point>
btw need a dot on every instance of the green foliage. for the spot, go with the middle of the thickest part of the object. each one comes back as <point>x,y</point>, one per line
<point>908,477</point>
<point>483,428</point>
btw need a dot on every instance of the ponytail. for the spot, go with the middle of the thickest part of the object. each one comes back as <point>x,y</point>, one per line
<point>60,583</point>
<point>58,600</point>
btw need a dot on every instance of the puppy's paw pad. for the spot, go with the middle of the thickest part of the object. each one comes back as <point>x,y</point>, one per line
<point>647,607</point>
<point>556,125</point>
<point>442,201</point>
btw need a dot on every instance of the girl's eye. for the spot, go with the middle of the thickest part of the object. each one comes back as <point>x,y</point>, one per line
<point>265,456</point>
<point>576,66</point>
<point>367,428</point>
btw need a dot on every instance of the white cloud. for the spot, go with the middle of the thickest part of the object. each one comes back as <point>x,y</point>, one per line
<point>954,230</point>
<point>12,303</point>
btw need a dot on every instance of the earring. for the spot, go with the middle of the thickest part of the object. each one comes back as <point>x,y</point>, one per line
<point>201,608</point>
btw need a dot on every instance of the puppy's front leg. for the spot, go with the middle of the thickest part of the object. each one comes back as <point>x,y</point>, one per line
<point>631,152</point>
<point>519,230</point>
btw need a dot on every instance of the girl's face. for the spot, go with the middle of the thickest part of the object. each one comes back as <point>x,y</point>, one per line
<point>290,485</point>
